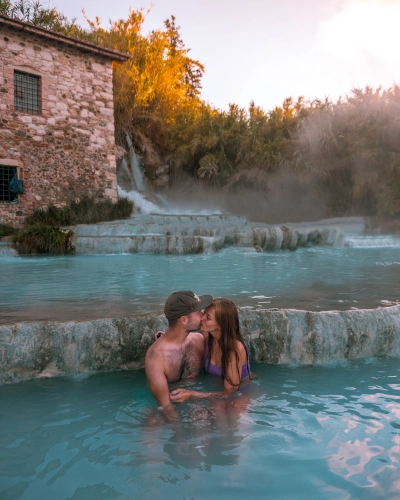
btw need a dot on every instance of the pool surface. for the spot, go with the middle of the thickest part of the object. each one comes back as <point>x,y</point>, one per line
<point>84,287</point>
<point>324,432</point>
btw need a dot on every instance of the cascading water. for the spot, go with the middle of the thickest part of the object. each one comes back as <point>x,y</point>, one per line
<point>156,229</point>
<point>138,191</point>
<point>6,250</point>
<point>166,229</point>
<point>133,185</point>
<point>141,204</point>
<point>125,178</point>
<point>138,177</point>
<point>372,241</point>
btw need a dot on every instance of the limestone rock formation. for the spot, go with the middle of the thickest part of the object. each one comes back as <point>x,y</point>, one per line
<point>44,349</point>
<point>185,234</point>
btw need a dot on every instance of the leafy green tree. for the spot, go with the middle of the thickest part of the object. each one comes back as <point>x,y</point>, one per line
<point>34,12</point>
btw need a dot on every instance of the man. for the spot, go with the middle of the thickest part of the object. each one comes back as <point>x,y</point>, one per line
<point>179,352</point>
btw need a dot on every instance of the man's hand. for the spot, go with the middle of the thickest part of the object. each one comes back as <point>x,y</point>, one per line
<point>158,334</point>
<point>180,395</point>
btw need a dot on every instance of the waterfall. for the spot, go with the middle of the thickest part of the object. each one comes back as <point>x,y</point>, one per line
<point>141,203</point>
<point>134,160</point>
<point>125,179</point>
<point>136,170</point>
<point>6,250</point>
<point>132,183</point>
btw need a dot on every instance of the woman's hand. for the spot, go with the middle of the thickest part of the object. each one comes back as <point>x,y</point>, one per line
<point>180,395</point>
<point>158,334</point>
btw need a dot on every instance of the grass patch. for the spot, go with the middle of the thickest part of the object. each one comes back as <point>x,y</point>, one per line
<point>42,232</point>
<point>41,238</point>
<point>86,211</point>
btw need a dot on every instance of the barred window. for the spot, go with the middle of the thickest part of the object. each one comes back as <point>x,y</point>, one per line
<point>27,92</point>
<point>6,174</point>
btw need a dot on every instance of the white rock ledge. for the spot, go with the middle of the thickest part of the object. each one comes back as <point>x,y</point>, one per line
<point>47,349</point>
<point>191,234</point>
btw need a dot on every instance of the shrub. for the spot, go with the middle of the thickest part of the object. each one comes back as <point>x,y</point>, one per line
<point>6,230</point>
<point>52,216</point>
<point>122,209</point>
<point>41,238</point>
<point>42,233</point>
<point>88,210</point>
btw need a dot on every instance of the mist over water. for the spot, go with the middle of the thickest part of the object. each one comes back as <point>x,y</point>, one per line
<point>302,161</point>
<point>286,203</point>
<point>285,197</point>
<point>288,200</point>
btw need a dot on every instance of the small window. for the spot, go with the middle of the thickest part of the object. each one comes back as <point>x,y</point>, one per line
<point>6,174</point>
<point>27,92</point>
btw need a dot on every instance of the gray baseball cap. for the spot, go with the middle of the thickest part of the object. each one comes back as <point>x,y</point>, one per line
<point>185,302</point>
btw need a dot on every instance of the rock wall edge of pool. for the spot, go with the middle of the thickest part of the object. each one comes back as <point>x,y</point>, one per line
<point>48,349</point>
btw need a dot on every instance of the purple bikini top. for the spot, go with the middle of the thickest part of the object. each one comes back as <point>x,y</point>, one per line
<point>217,370</point>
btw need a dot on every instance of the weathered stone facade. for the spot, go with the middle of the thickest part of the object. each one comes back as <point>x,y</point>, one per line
<point>67,149</point>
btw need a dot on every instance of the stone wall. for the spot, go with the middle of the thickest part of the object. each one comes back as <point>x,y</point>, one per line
<point>46,349</point>
<point>68,149</point>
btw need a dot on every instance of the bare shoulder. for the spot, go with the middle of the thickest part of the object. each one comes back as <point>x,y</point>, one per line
<point>154,356</point>
<point>241,348</point>
<point>153,350</point>
<point>242,352</point>
<point>195,338</point>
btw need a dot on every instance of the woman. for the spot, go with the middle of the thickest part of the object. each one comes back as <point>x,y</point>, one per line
<point>226,354</point>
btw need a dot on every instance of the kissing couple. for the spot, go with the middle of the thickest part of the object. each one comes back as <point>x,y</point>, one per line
<point>202,332</point>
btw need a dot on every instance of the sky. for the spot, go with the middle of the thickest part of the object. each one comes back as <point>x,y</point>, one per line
<point>267,50</point>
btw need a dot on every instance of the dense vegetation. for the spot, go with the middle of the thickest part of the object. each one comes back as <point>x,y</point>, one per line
<point>347,152</point>
<point>42,231</point>
<point>6,230</point>
<point>88,210</point>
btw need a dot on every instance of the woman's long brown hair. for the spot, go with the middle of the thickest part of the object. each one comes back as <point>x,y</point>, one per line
<point>227,317</point>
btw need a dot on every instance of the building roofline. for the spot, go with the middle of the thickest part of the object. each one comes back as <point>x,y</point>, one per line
<point>18,25</point>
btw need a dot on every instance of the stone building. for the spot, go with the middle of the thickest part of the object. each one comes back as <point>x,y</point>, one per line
<point>56,118</point>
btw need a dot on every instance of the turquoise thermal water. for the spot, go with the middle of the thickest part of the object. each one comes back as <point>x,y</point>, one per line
<point>99,286</point>
<point>322,432</point>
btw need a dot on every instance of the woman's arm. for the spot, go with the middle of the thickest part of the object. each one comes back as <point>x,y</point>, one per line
<point>181,395</point>
<point>233,374</point>
<point>234,369</point>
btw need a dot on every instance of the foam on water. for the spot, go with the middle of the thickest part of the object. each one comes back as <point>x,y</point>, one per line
<point>372,241</point>
<point>7,252</point>
<point>145,207</point>
<point>141,204</point>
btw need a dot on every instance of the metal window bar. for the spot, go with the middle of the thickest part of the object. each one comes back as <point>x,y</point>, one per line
<point>27,92</point>
<point>6,174</point>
